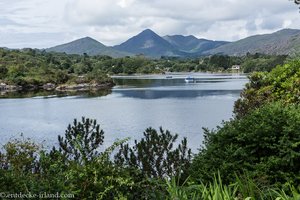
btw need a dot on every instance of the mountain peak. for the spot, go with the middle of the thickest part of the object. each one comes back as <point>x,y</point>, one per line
<point>148,31</point>
<point>147,42</point>
<point>87,38</point>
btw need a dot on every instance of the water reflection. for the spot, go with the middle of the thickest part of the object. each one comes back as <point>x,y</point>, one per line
<point>159,81</point>
<point>158,87</point>
<point>158,94</point>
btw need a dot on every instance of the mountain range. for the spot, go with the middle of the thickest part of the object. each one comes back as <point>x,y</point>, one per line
<point>150,44</point>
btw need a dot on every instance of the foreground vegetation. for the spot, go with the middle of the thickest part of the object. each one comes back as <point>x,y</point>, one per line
<point>240,160</point>
<point>255,155</point>
<point>258,165</point>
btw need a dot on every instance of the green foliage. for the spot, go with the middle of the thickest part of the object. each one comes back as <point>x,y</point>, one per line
<point>155,155</point>
<point>258,62</point>
<point>20,154</point>
<point>216,190</point>
<point>82,140</point>
<point>97,76</point>
<point>220,61</point>
<point>77,168</point>
<point>282,83</point>
<point>3,71</point>
<point>264,143</point>
<point>293,193</point>
<point>17,163</point>
<point>33,68</point>
<point>99,178</point>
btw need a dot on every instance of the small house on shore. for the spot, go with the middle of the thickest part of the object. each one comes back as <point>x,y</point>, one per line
<point>236,67</point>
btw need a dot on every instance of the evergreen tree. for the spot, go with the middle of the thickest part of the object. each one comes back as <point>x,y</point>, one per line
<point>82,140</point>
<point>155,154</point>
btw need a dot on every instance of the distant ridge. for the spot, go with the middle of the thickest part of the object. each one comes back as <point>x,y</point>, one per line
<point>285,41</point>
<point>89,46</point>
<point>191,44</point>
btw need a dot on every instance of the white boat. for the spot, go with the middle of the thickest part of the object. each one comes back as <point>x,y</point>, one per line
<point>189,79</point>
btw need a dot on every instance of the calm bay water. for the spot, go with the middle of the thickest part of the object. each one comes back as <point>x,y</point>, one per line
<point>134,104</point>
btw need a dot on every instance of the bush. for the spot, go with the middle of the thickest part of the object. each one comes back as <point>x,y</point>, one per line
<point>264,143</point>
<point>281,84</point>
<point>155,156</point>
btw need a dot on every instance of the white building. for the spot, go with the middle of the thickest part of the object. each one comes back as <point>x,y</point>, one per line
<point>236,67</point>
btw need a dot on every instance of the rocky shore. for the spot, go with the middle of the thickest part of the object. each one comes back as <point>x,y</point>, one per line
<point>9,88</point>
<point>53,87</point>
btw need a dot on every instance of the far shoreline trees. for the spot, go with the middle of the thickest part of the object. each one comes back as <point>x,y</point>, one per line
<point>31,68</point>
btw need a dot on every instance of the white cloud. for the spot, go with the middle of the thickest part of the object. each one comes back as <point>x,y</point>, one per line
<point>40,24</point>
<point>125,3</point>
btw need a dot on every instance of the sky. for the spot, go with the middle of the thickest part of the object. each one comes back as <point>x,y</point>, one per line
<point>46,23</point>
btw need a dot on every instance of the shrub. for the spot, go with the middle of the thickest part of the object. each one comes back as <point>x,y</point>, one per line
<point>264,143</point>
<point>281,84</point>
<point>155,155</point>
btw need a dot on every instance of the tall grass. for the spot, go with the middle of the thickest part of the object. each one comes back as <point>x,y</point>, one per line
<point>293,193</point>
<point>242,189</point>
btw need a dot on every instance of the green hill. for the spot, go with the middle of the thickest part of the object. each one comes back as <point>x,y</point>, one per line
<point>285,41</point>
<point>89,46</point>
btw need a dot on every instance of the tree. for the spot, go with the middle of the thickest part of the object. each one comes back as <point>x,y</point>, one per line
<point>82,140</point>
<point>218,61</point>
<point>155,154</point>
<point>3,71</point>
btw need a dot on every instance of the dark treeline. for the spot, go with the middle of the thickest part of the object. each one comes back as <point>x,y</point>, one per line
<point>255,154</point>
<point>34,67</point>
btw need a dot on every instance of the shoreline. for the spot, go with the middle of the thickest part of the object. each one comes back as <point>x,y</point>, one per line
<point>82,87</point>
